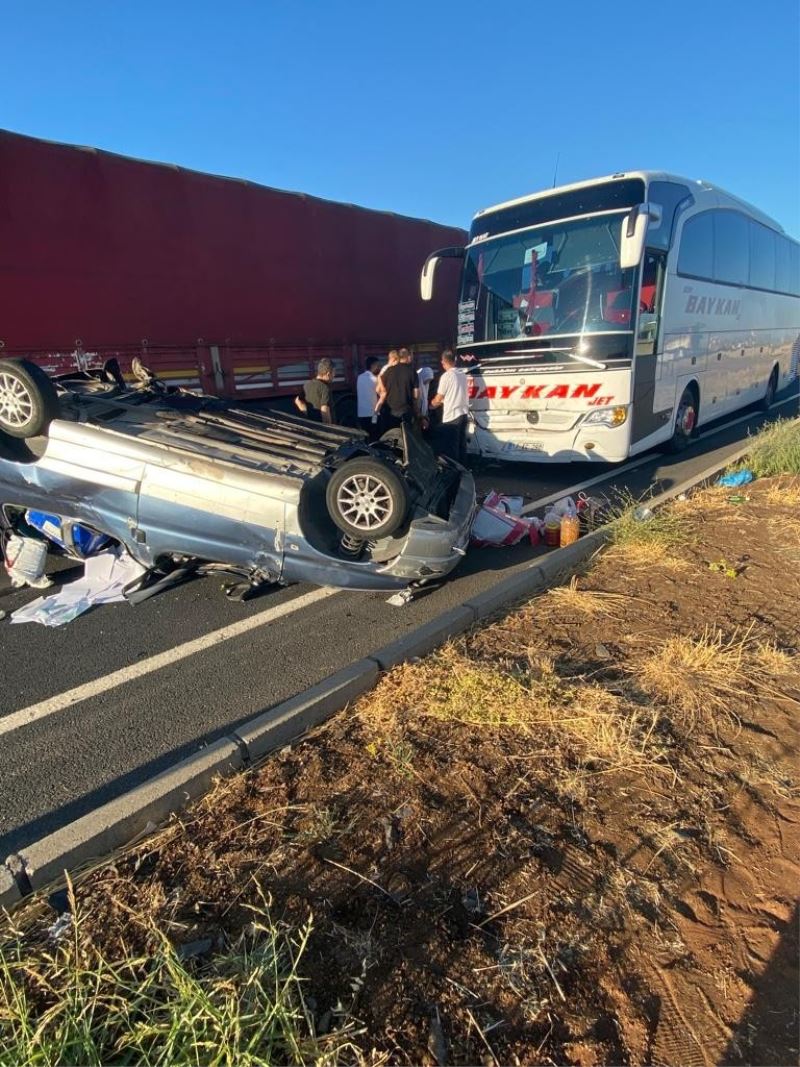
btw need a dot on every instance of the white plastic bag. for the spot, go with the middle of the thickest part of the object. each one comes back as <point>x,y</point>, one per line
<point>26,558</point>
<point>498,523</point>
<point>565,506</point>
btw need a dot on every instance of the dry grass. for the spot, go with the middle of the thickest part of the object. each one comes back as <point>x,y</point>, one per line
<point>696,676</point>
<point>649,542</point>
<point>707,675</point>
<point>597,725</point>
<point>784,493</point>
<point>646,555</point>
<point>773,662</point>
<point>582,601</point>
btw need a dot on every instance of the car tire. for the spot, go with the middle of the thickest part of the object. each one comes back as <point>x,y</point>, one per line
<point>367,499</point>
<point>28,399</point>
<point>685,422</point>
<point>768,399</point>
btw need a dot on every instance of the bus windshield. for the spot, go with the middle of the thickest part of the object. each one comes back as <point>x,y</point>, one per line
<point>557,278</point>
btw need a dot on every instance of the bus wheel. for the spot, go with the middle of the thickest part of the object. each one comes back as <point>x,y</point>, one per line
<point>772,388</point>
<point>685,422</point>
<point>28,399</point>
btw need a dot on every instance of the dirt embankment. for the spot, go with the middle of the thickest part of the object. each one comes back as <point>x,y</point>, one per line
<point>572,836</point>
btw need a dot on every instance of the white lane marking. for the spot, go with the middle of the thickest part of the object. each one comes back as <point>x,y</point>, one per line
<point>744,418</point>
<point>154,663</point>
<point>585,485</point>
<point>545,500</point>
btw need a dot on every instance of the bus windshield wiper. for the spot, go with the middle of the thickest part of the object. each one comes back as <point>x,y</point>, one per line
<point>570,353</point>
<point>589,362</point>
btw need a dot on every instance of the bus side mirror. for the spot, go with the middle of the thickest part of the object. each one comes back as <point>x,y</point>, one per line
<point>428,271</point>
<point>634,232</point>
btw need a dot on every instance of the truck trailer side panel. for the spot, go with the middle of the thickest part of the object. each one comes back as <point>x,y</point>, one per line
<point>102,252</point>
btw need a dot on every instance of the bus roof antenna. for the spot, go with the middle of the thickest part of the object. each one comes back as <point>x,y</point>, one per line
<point>555,169</point>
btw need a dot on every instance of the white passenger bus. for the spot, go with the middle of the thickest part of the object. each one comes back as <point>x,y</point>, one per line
<point>603,318</point>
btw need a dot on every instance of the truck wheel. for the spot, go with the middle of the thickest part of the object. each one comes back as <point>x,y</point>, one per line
<point>367,499</point>
<point>344,410</point>
<point>685,422</point>
<point>28,399</point>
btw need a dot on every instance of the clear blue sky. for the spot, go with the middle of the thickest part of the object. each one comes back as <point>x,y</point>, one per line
<point>425,107</point>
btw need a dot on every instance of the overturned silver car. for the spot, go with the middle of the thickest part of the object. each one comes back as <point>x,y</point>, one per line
<point>175,476</point>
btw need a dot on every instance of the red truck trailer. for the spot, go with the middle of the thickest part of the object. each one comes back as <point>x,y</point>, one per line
<point>215,283</point>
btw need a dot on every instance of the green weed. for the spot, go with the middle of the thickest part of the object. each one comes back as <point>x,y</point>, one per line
<point>776,449</point>
<point>69,1003</point>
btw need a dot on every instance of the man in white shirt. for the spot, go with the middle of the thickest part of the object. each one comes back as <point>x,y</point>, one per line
<point>452,397</point>
<point>367,397</point>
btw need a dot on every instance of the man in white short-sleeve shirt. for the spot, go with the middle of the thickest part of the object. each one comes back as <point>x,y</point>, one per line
<point>452,397</point>
<point>367,396</point>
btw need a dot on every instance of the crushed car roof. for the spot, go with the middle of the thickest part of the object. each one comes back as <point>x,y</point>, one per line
<point>282,443</point>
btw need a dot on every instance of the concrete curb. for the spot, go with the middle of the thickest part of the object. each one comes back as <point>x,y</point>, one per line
<point>541,574</point>
<point>9,890</point>
<point>425,638</point>
<point>293,717</point>
<point>116,823</point>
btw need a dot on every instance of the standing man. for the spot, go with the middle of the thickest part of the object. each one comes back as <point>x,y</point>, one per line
<point>367,394</point>
<point>315,400</point>
<point>398,393</point>
<point>391,361</point>
<point>424,378</point>
<point>452,398</point>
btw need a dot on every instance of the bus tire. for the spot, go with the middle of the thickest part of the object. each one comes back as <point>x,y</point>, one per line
<point>28,399</point>
<point>768,399</point>
<point>685,421</point>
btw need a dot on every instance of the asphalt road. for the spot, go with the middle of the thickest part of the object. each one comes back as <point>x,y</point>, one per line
<point>158,681</point>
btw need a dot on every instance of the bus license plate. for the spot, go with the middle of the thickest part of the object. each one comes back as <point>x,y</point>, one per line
<point>529,446</point>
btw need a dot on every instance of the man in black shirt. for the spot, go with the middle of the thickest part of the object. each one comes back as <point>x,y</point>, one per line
<point>398,393</point>
<point>315,400</point>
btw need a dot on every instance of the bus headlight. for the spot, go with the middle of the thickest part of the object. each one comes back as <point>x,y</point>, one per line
<point>607,416</point>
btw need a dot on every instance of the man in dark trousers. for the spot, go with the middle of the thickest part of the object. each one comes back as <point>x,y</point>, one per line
<point>398,393</point>
<point>452,398</point>
<point>315,400</point>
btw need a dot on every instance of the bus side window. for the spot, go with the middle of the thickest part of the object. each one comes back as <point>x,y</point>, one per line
<point>653,275</point>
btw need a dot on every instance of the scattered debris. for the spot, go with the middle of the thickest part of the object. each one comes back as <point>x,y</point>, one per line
<point>736,478</point>
<point>437,1042</point>
<point>61,927</point>
<point>106,577</point>
<point>721,566</point>
<point>499,522</point>
<point>26,558</point>
<point>192,949</point>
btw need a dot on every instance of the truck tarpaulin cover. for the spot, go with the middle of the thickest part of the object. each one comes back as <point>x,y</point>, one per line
<point>111,250</point>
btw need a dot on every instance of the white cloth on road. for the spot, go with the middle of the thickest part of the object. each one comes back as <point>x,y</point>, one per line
<point>105,577</point>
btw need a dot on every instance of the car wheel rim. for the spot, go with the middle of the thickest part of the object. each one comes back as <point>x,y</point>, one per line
<point>16,403</point>
<point>365,502</point>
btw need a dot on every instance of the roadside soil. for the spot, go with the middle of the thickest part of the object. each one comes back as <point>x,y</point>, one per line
<point>572,836</point>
